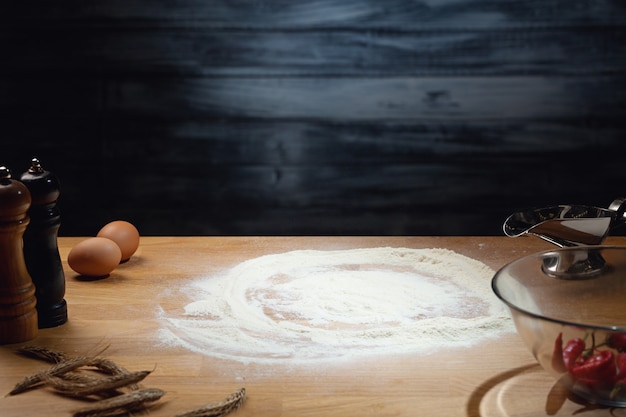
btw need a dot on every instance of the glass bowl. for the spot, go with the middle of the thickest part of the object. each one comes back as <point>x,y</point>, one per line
<point>569,307</point>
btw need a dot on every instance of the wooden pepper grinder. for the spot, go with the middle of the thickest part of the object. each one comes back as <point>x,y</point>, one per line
<point>41,251</point>
<point>18,313</point>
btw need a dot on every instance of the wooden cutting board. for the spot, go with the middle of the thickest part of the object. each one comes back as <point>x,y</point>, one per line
<point>121,313</point>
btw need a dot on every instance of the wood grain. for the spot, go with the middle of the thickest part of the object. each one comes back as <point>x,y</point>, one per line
<point>121,312</point>
<point>315,117</point>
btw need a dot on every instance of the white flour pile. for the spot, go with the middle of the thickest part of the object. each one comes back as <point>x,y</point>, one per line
<point>305,306</point>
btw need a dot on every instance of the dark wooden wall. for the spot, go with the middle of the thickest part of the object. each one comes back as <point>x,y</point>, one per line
<point>315,116</point>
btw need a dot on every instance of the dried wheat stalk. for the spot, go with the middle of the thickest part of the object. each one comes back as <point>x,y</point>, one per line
<point>43,353</point>
<point>64,378</point>
<point>122,404</point>
<point>79,377</point>
<point>92,386</point>
<point>109,367</point>
<point>88,378</point>
<point>234,401</point>
<point>101,364</point>
<point>38,377</point>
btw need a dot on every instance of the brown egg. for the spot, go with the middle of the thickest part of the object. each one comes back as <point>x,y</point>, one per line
<point>94,257</point>
<point>124,234</point>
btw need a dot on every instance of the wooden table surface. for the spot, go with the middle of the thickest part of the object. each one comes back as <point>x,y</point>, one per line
<point>494,378</point>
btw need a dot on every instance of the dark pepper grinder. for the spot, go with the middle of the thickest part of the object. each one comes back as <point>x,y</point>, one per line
<point>41,250</point>
<point>18,314</point>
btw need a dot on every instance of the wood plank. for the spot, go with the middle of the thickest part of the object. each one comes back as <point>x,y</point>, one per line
<point>322,13</point>
<point>450,382</point>
<point>340,99</point>
<point>166,144</point>
<point>246,52</point>
<point>405,117</point>
<point>393,98</point>
<point>310,178</point>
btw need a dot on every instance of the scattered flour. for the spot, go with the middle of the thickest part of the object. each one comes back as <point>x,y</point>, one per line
<point>306,306</point>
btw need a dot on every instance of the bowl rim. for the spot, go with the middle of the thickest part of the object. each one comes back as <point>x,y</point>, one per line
<point>512,306</point>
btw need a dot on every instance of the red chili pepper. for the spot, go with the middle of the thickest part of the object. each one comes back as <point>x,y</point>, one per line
<point>557,355</point>
<point>597,371</point>
<point>572,351</point>
<point>617,341</point>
